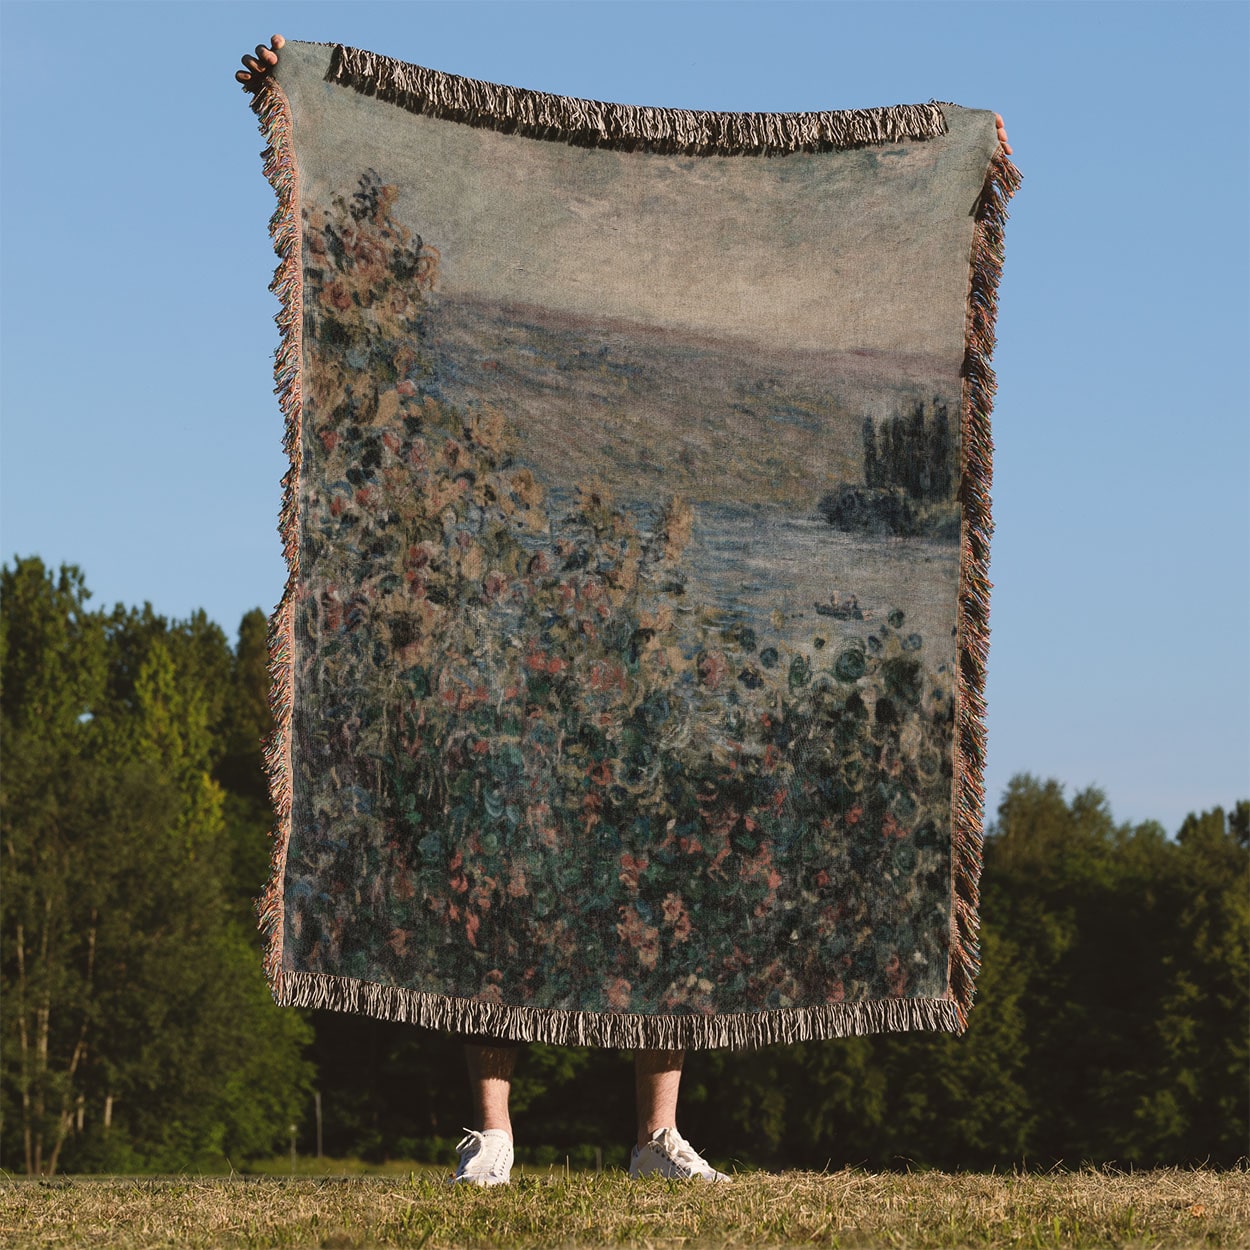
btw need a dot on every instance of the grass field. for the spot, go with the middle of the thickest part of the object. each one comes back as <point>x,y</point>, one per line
<point>841,1209</point>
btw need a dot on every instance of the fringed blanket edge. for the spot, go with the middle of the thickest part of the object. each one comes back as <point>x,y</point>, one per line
<point>619,1030</point>
<point>274,114</point>
<point>594,123</point>
<point>973,622</point>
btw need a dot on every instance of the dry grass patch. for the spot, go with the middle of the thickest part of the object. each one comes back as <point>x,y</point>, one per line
<point>842,1209</point>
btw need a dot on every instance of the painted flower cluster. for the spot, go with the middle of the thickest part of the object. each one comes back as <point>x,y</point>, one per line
<point>523,776</point>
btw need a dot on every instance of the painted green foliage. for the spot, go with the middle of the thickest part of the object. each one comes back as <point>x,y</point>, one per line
<point>521,775</point>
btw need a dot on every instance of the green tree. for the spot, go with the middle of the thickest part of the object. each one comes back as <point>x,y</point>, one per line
<point>1197,1109</point>
<point>246,723</point>
<point>141,1032</point>
<point>1134,946</point>
<point>52,675</point>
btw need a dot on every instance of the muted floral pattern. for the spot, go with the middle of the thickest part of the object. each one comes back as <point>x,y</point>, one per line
<point>519,778</point>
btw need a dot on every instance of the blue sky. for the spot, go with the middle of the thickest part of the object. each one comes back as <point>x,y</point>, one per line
<point>141,439</point>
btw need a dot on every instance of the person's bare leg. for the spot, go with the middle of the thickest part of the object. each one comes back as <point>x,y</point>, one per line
<point>657,1078</point>
<point>490,1081</point>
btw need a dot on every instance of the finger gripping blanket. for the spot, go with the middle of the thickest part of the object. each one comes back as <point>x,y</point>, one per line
<point>628,675</point>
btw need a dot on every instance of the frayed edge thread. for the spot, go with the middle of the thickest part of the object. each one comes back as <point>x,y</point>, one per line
<point>594,123</point>
<point>733,1030</point>
<point>274,114</point>
<point>967,833</point>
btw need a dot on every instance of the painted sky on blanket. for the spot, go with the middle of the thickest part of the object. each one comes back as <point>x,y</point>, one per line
<point>785,250</point>
<point>142,442</point>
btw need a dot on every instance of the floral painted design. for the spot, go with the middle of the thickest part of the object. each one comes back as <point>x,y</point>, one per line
<point>526,772</point>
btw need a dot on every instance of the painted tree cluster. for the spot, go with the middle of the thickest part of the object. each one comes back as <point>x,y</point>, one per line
<point>916,452</point>
<point>911,473</point>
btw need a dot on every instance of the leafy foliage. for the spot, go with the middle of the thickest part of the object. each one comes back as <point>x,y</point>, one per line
<point>138,1030</point>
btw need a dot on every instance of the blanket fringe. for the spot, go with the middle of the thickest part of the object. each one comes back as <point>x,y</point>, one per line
<point>273,111</point>
<point>593,123</point>
<point>733,1030</point>
<point>967,836</point>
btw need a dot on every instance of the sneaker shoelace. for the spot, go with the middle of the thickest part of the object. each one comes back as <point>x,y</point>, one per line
<point>477,1146</point>
<point>683,1153</point>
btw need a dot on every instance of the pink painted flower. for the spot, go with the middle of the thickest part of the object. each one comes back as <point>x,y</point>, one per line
<point>631,869</point>
<point>896,975</point>
<point>712,668</point>
<point>644,939</point>
<point>618,993</point>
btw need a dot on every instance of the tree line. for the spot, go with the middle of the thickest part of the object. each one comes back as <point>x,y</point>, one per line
<point>915,451</point>
<point>910,470</point>
<point>138,1032</point>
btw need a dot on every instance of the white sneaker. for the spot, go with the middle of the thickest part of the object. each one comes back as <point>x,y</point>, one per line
<point>485,1158</point>
<point>668,1153</point>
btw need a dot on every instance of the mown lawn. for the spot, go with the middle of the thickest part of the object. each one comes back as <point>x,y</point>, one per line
<point>840,1209</point>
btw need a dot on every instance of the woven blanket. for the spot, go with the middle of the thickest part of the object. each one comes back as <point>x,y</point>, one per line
<point>628,675</point>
